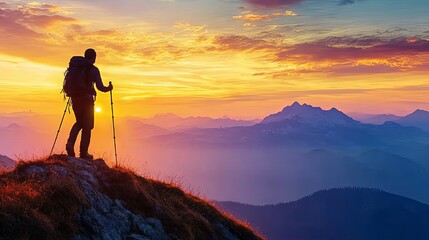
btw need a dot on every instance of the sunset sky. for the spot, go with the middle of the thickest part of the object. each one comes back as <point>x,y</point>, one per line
<point>239,58</point>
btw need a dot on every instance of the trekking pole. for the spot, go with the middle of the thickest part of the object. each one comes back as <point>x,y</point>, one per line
<point>113,124</point>
<point>59,128</point>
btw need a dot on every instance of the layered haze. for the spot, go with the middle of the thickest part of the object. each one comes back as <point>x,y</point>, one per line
<point>285,156</point>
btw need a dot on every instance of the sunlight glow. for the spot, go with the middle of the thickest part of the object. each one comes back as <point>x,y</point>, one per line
<point>204,62</point>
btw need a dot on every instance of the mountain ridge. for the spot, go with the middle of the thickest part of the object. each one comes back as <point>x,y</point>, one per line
<point>174,122</point>
<point>336,214</point>
<point>419,118</point>
<point>309,113</point>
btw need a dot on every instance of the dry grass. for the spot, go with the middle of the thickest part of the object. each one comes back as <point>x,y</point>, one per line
<point>34,208</point>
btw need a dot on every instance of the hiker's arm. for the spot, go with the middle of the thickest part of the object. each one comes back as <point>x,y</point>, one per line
<point>99,82</point>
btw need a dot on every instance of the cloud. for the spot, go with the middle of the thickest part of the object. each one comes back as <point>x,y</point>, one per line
<point>285,13</point>
<point>240,43</point>
<point>333,56</point>
<point>348,55</point>
<point>30,16</point>
<point>249,16</point>
<point>349,48</point>
<point>346,2</point>
<point>44,33</point>
<point>37,8</point>
<point>27,33</point>
<point>190,28</point>
<point>272,3</point>
<point>47,21</point>
<point>249,25</point>
<point>10,24</point>
<point>30,30</point>
<point>280,3</point>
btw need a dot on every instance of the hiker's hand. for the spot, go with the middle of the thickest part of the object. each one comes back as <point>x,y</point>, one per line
<point>110,86</point>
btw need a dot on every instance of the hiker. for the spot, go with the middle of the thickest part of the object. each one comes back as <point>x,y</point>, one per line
<point>79,85</point>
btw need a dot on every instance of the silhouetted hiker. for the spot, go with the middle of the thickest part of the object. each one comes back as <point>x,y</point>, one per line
<point>79,85</point>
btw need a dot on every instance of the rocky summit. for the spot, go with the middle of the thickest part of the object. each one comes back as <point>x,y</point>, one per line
<point>71,198</point>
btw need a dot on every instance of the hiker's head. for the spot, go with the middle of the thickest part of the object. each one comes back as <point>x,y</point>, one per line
<point>91,55</point>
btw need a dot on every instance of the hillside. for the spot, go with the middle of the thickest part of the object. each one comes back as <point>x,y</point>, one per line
<point>71,198</point>
<point>353,214</point>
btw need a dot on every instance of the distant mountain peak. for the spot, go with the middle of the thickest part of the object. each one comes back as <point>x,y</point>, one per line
<point>419,111</point>
<point>296,104</point>
<point>14,126</point>
<point>309,113</point>
<point>419,118</point>
<point>166,115</point>
<point>418,115</point>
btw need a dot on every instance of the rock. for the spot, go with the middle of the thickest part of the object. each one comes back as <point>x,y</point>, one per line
<point>150,227</point>
<point>134,236</point>
<point>107,218</point>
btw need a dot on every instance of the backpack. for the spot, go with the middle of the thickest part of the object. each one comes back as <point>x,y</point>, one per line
<point>76,77</point>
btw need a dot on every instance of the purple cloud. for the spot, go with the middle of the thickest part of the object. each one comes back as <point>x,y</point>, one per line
<point>279,3</point>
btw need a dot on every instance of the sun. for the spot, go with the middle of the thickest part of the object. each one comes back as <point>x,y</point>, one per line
<point>98,109</point>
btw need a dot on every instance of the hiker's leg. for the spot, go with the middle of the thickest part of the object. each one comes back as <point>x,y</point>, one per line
<point>88,125</point>
<point>72,139</point>
<point>76,127</point>
<point>73,134</point>
<point>85,140</point>
<point>78,113</point>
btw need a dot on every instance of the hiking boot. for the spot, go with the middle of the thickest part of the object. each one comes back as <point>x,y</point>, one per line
<point>70,150</point>
<point>86,156</point>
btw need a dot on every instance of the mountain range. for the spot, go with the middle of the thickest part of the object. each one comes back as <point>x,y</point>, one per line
<point>418,118</point>
<point>295,152</point>
<point>173,122</point>
<point>302,125</point>
<point>338,214</point>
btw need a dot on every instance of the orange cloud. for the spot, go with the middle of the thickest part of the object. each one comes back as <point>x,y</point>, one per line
<point>249,25</point>
<point>342,55</point>
<point>26,31</point>
<point>37,8</point>
<point>189,27</point>
<point>285,13</point>
<point>252,17</point>
<point>241,43</point>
